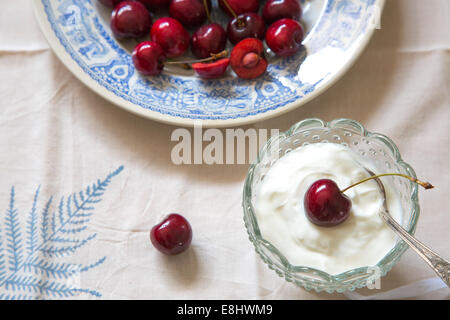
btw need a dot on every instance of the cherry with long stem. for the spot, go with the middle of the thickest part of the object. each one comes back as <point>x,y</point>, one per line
<point>426,185</point>
<point>213,57</point>
<point>326,205</point>
<point>215,69</point>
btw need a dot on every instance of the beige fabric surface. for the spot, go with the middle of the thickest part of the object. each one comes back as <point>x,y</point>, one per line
<point>57,133</point>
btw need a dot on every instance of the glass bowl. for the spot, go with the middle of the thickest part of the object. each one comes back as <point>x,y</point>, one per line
<point>374,146</point>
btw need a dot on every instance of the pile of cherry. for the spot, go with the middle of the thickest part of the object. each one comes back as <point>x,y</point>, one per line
<point>246,30</point>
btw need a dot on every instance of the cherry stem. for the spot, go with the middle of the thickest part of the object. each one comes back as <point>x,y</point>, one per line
<point>426,185</point>
<point>208,14</point>
<point>214,56</point>
<point>229,8</point>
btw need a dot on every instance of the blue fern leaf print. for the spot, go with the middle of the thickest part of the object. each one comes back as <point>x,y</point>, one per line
<point>32,225</point>
<point>33,259</point>
<point>13,235</point>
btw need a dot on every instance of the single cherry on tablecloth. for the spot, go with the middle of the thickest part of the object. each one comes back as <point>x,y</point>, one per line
<point>173,235</point>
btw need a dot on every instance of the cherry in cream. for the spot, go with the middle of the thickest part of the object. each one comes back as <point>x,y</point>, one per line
<point>327,206</point>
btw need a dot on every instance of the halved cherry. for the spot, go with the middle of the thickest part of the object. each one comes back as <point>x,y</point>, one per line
<point>247,59</point>
<point>211,70</point>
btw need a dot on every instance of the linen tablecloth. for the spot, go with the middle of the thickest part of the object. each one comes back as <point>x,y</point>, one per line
<point>95,179</point>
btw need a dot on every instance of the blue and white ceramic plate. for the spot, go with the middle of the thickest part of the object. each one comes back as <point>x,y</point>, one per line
<point>337,32</point>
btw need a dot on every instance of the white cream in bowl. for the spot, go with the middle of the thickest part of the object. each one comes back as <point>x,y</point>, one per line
<point>361,240</point>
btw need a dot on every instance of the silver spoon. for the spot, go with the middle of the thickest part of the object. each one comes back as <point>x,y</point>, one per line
<point>436,262</point>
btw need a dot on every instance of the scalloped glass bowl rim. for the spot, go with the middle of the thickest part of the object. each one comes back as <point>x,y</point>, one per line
<point>390,259</point>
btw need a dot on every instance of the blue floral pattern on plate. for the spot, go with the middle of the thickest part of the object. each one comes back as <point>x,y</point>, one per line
<point>87,39</point>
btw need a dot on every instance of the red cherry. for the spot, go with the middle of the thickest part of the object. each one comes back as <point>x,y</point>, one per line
<point>110,3</point>
<point>247,25</point>
<point>325,205</point>
<point>155,4</point>
<point>247,59</point>
<point>239,6</point>
<point>148,58</point>
<point>210,38</point>
<point>278,9</point>
<point>212,70</point>
<point>284,37</point>
<point>173,235</point>
<point>171,36</point>
<point>190,13</point>
<point>130,19</point>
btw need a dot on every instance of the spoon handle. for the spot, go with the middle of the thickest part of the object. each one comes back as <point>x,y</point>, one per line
<point>436,262</point>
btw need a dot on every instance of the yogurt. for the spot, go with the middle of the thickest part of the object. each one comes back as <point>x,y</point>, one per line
<point>361,240</point>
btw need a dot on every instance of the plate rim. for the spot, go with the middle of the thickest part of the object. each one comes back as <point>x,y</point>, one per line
<point>69,63</point>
